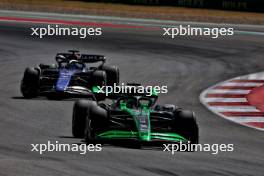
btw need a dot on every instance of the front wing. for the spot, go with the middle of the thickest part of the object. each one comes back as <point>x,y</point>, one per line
<point>155,136</point>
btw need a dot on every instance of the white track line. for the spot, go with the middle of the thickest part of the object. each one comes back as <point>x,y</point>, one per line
<point>224,91</point>
<point>246,119</point>
<point>244,29</point>
<point>124,20</point>
<point>241,84</point>
<point>207,100</point>
<point>234,108</point>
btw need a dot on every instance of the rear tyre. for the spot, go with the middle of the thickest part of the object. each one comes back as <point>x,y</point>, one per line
<point>30,83</point>
<point>186,126</point>
<point>99,79</point>
<point>80,112</point>
<point>112,74</point>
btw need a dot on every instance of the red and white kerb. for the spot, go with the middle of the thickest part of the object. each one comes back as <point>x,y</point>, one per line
<point>240,100</point>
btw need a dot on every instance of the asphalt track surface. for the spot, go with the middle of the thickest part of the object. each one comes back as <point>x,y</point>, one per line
<point>187,65</point>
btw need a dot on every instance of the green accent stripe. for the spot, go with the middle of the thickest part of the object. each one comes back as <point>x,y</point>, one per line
<point>116,134</point>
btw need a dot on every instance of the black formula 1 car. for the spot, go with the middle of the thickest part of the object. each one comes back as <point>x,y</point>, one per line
<point>133,117</point>
<point>71,77</point>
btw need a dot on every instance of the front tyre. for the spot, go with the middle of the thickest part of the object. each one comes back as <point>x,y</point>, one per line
<point>89,132</point>
<point>30,83</point>
<point>80,112</point>
<point>96,122</point>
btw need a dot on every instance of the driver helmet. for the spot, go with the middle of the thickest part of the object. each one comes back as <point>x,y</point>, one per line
<point>74,57</point>
<point>131,103</point>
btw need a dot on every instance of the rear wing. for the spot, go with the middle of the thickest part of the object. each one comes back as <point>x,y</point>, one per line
<point>84,58</point>
<point>92,58</point>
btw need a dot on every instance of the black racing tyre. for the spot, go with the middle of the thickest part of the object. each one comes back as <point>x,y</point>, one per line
<point>89,132</point>
<point>80,112</point>
<point>96,121</point>
<point>169,107</point>
<point>30,83</point>
<point>112,74</point>
<point>186,126</point>
<point>99,79</point>
<point>45,66</point>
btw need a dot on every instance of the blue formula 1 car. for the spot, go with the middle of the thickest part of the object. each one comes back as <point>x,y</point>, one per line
<point>70,77</point>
